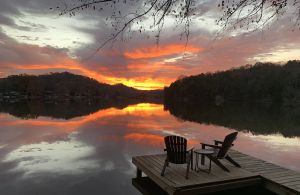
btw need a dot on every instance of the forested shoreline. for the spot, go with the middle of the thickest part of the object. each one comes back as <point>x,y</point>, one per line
<point>261,83</point>
<point>65,87</point>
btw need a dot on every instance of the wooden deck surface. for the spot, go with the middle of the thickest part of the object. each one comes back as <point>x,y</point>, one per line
<point>253,172</point>
<point>275,178</point>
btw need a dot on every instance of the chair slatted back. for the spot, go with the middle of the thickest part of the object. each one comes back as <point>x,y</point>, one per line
<point>227,143</point>
<point>176,149</point>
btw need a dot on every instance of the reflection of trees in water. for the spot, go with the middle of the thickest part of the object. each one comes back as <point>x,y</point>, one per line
<point>256,118</point>
<point>66,110</point>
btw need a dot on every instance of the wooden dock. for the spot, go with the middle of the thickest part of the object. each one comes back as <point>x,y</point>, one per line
<point>254,172</point>
<point>275,178</point>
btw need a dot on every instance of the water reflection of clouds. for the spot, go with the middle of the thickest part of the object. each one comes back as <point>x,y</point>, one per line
<point>61,157</point>
<point>277,140</point>
<point>274,148</point>
<point>94,152</point>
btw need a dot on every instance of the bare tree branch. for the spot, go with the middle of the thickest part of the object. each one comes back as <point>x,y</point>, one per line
<point>243,14</point>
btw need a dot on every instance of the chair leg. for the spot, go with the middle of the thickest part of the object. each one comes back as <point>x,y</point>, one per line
<point>232,161</point>
<point>217,162</point>
<point>192,160</point>
<point>188,169</point>
<point>209,169</point>
<point>138,173</point>
<point>202,156</point>
<point>164,168</point>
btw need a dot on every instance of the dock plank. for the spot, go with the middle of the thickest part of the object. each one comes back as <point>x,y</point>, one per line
<point>253,172</point>
<point>276,178</point>
<point>174,180</point>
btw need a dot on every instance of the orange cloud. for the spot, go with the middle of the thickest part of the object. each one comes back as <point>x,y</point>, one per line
<point>159,51</point>
<point>34,59</point>
<point>143,83</point>
<point>153,67</point>
<point>66,63</point>
<point>144,78</point>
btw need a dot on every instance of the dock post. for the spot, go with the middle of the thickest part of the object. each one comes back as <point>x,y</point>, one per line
<point>138,173</point>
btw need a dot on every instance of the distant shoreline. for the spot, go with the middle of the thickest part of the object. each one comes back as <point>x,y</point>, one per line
<point>16,97</point>
<point>66,87</point>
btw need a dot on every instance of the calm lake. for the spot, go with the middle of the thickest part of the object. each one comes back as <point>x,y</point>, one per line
<point>64,149</point>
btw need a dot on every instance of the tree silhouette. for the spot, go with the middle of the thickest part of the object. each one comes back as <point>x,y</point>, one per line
<point>264,82</point>
<point>253,14</point>
<point>127,16</point>
<point>66,86</point>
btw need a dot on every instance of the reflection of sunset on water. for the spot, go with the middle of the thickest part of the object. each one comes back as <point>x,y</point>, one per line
<point>113,133</point>
<point>72,124</point>
<point>143,138</point>
<point>72,75</point>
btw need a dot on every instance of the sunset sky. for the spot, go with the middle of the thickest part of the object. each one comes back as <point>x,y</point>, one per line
<point>36,40</point>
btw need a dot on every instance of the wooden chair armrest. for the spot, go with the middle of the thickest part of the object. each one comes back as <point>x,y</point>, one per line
<point>210,145</point>
<point>190,149</point>
<point>217,142</point>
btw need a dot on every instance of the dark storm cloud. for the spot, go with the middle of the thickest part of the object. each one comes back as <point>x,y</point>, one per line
<point>28,38</point>
<point>34,27</point>
<point>12,10</point>
<point>12,52</point>
<point>17,58</point>
<point>16,7</point>
<point>4,20</point>
<point>8,7</point>
<point>227,52</point>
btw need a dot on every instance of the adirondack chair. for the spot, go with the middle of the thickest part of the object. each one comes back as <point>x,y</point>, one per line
<point>221,151</point>
<point>177,153</point>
